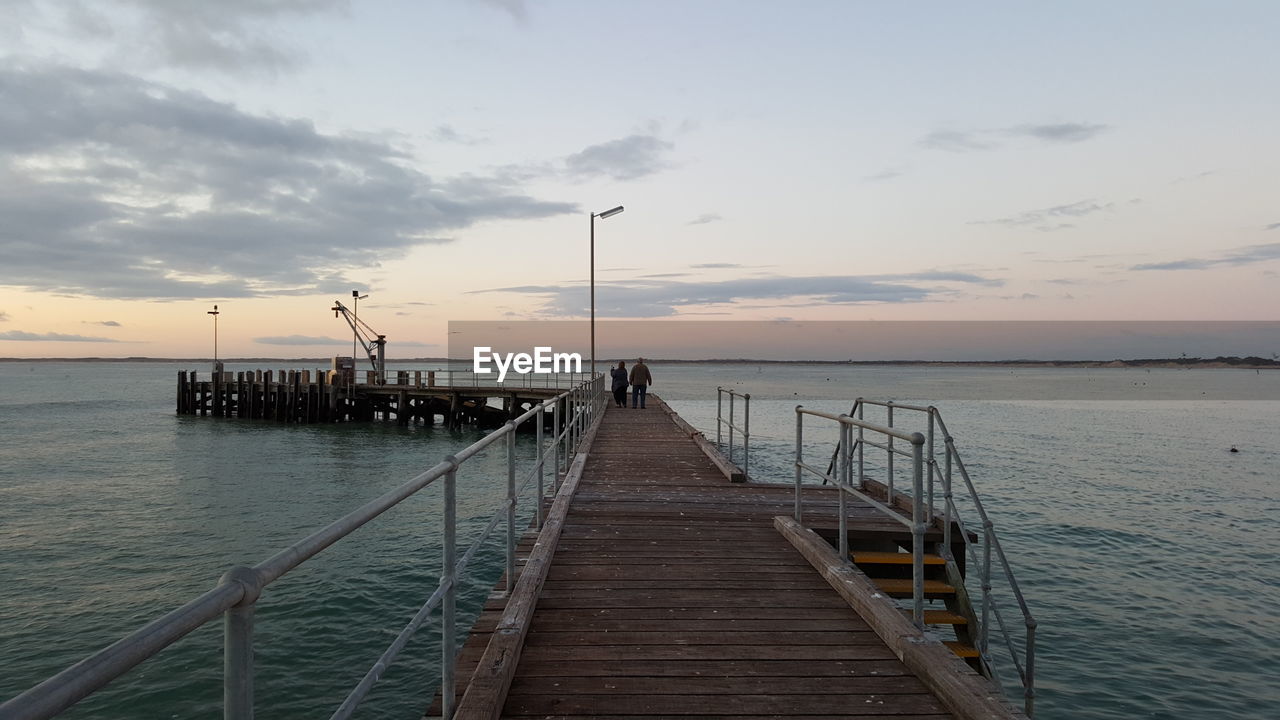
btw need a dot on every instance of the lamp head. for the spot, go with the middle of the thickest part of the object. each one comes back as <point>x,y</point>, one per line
<point>609,213</point>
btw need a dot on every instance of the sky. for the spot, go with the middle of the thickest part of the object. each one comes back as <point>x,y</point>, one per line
<point>803,161</point>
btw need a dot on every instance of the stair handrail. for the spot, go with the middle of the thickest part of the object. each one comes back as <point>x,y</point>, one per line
<point>990,542</point>
<point>843,481</point>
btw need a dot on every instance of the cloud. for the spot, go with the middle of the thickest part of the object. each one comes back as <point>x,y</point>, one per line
<point>515,8</point>
<point>993,138</point>
<point>4,316</point>
<point>230,36</point>
<point>104,323</point>
<point>715,266</point>
<point>1272,226</point>
<point>658,298</point>
<point>1060,132</point>
<point>296,340</point>
<point>1049,219</point>
<point>112,186</point>
<point>704,219</point>
<point>411,344</point>
<point>628,158</point>
<point>956,141</point>
<point>446,133</point>
<point>882,176</point>
<point>51,337</point>
<point>1247,255</point>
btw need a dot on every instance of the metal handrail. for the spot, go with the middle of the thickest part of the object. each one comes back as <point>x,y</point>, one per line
<point>745,430</point>
<point>843,481</point>
<point>1023,663</point>
<point>238,590</point>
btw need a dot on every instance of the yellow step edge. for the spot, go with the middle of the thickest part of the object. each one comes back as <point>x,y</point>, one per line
<point>903,585</point>
<point>960,649</point>
<point>892,558</point>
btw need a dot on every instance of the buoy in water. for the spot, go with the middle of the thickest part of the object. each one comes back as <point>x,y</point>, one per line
<point>1233,449</point>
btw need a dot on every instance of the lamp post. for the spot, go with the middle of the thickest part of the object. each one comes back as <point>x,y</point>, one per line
<point>214,312</point>
<point>606,214</point>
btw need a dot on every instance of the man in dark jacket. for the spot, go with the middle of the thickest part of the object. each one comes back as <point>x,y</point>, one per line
<point>640,382</point>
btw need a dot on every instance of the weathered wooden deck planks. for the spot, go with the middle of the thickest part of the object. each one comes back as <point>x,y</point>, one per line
<point>672,594</point>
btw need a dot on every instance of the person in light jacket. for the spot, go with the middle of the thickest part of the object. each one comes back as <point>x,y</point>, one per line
<point>619,375</point>
<point>640,382</point>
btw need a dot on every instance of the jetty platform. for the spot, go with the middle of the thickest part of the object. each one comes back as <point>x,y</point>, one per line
<point>659,588</point>
<point>403,396</point>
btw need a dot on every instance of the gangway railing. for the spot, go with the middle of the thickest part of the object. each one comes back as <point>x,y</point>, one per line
<point>983,552</point>
<point>744,430</point>
<point>235,596</point>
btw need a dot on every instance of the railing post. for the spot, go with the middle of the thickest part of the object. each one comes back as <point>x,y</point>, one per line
<point>932,462</point>
<point>862,468</point>
<point>746,436</point>
<point>1029,687</point>
<point>237,661</point>
<point>917,530</point>
<point>987,531</point>
<point>889,483</point>
<point>719,415</point>
<point>799,459</point>
<point>448,580</point>
<point>842,481</point>
<point>511,505</point>
<point>542,458</point>
<point>555,442</point>
<point>731,426</point>
<point>947,504</point>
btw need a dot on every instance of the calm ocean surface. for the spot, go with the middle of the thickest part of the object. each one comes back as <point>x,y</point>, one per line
<point>1148,552</point>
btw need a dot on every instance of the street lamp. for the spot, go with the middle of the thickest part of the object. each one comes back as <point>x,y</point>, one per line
<point>214,312</point>
<point>356,297</point>
<point>602,216</point>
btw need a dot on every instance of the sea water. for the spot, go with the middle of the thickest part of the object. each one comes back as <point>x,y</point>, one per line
<point>1149,553</point>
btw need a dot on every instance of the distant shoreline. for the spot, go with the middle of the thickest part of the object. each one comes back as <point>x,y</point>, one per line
<point>1232,362</point>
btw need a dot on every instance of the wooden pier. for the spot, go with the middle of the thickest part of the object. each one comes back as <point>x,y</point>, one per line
<point>306,396</point>
<point>658,588</point>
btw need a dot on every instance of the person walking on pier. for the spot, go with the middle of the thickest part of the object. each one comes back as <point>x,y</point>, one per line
<point>619,375</point>
<point>640,382</point>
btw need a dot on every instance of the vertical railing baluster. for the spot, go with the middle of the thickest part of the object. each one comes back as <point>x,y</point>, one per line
<point>542,459</point>
<point>1029,685</point>
<point>947,504</point>
<point>511,505</point>
<point>719,416</point>
<point>889,454</point>
<point>931,464</point>
<point>987,531</point>
<point>731,426</point>
<point>555,443</point>
<point>746,436</point>
<point>448,579</point>
<point>799,459</point>
<point>862,468</point>
<point>237,662</point>
<point>917,530</point>
<point>842,482</point>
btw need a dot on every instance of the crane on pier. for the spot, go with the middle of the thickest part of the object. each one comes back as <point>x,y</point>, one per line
<point>374,344</point>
